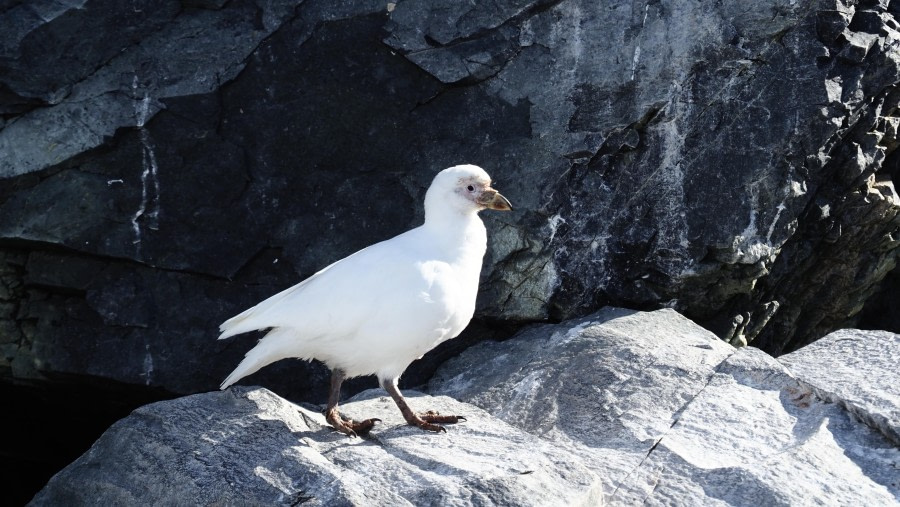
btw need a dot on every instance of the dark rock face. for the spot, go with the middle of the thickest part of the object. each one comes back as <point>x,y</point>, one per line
<point>165,166</point>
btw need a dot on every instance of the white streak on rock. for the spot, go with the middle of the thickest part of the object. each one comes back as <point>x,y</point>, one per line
<point>637,48</point>
<point>749,246</point>
<point>781,208</point>
<point>148,210</point>
<point>635,60</point>
<point>558,338</point>
<point>275,478</point>
<point>554,223</point>
<point>148,366</point>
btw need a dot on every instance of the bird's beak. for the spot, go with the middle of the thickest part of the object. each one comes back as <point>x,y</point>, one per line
<point>491,199</point>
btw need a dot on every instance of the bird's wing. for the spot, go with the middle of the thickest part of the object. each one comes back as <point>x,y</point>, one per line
<point>339,298</point>
<point>249,319</point>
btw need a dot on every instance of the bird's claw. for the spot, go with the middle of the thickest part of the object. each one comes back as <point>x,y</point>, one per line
<point>427,420</point>
<point>435,417</point>
<point>348,426</point>
<point>425,425</point>
<point>362,428</point>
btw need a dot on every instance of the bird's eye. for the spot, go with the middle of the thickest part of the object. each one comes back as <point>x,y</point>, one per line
<point>470,188</point>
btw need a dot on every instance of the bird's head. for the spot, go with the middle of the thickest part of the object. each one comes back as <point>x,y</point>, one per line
<point>464,188</point>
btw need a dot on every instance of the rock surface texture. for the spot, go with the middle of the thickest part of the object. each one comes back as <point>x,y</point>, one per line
<point>858,370</point>
<point>666,414</point>
<point>620,408</point>
<point>250,447</point>
<point>166,164</point>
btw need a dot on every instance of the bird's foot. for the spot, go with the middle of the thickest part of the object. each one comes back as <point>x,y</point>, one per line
<point>435,417</point>
<point>426,420</point>
<point>348,426</point>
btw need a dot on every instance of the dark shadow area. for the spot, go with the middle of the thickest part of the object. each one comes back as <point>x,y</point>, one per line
<point>50,424</point>
<point>880,312</point>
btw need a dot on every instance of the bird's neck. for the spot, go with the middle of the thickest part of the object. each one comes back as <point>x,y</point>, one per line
<point>459,232</point>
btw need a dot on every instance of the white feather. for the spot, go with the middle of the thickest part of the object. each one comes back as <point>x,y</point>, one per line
<point>379,309</point>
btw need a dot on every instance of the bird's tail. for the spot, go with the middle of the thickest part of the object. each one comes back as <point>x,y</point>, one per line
<point>276,345</point>
<point>238,324</point>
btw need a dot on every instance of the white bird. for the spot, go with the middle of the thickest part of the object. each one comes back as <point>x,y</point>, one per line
<point>379,309</point>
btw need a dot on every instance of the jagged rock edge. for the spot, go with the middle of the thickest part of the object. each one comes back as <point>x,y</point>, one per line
<point>523,15</point>
<point>876,422</point>
<point>526,13</point>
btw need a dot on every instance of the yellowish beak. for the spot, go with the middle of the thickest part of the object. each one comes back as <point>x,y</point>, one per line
<point>491,199</point>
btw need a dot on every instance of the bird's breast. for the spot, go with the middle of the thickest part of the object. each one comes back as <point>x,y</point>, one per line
<point>451,288</point>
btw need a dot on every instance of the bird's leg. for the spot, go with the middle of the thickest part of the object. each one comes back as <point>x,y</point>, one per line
<point>343,424</point>
<point>425,420</point>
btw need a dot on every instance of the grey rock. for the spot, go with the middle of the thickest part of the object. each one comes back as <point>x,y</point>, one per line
<point>619,408</point>
<point>857,370</point>
<point>543,376</point>
<point>248,446</point>
<point>667,414</point>
<point>756,436</point>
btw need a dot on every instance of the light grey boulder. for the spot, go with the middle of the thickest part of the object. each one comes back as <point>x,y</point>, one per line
<point>610,382</point>
<point>755,436</point>
<point>247,446</point>
<point>859,370</point>
<point>619,408</point>
<point>666,413</point>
